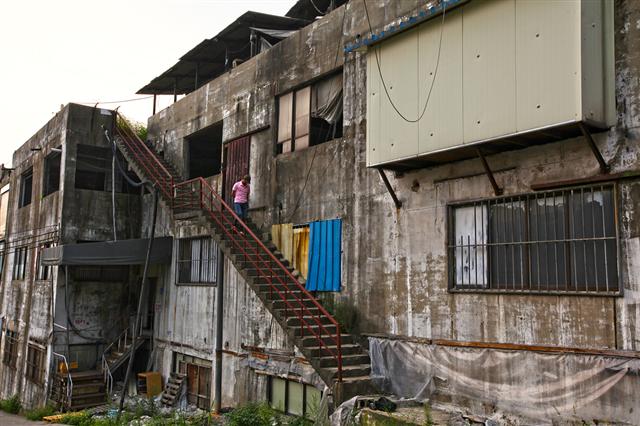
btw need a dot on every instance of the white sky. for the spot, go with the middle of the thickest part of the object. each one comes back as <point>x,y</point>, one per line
<point>56,52</point>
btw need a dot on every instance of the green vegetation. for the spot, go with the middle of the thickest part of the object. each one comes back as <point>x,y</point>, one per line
<point>11,405</point>
<point>39,413</point>
<point>428,420</point>
<point>137,127</point>
<point>345,313</point>
<point>253,415</point>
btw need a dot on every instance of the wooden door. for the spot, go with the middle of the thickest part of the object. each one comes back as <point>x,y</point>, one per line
<point>236,164</point>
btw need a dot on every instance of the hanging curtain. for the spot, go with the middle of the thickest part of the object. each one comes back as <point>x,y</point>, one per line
<point>301,250</point>
<point>325,255</point>
<point>282,236</point>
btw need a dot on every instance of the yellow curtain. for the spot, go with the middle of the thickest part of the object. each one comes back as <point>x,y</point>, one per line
<point>282,236</point>
<point>301,250</point>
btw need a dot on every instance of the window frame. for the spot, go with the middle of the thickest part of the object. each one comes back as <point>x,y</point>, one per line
<point>179,260</point>
<point>83,166</point>
<point>10,348</point>
<point>451,248</point>
<point>309,85</point>
<point>22,202</point>
<point>43,272</point>
<point>46,181</point>
<point>35,363</point>
<point>287,395</point>
<point>20,261</point>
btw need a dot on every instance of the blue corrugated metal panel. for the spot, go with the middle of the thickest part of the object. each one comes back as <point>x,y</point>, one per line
<point>324,255</point>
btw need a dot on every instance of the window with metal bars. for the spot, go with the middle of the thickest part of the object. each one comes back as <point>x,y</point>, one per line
<point>10,355</point>
<point>20,262</point>
<point>197,261</point>
<point>561,241</point>
<point>35,363</point>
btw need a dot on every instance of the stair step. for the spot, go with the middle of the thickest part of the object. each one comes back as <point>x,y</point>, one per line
<point>360,370</point>
<point>295,321</point>
<point>315,328</point>
<point>293,304</point>
<point>356,359</point>
<point>316,352</point>
<point>312,341</point>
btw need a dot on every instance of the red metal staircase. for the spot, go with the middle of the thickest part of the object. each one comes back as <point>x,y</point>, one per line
<point>341,362</point>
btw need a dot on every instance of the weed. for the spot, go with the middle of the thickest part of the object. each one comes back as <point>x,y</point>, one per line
<point>428,420</point>
<point>253,415</point>
<point>11,405</point>
<point>39,413</point>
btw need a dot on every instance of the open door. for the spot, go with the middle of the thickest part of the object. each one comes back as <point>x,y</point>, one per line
<point>236,164</point>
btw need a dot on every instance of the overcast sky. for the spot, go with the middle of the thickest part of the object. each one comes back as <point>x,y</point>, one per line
<point>56,52</point>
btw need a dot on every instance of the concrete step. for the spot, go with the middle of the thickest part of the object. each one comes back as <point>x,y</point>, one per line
<point>314,328</point>
<point>329,341</point>
<point>293,305</point>
<point>360,370</point>
<point>316,352</point>
<point>355,359</point>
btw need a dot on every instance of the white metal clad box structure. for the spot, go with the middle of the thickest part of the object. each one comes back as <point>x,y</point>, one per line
<point>502,69</point>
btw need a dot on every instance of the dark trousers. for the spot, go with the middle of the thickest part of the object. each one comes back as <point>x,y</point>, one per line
<point>241,209</point>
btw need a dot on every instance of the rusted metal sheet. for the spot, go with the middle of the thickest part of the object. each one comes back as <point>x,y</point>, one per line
<point>236,154</point>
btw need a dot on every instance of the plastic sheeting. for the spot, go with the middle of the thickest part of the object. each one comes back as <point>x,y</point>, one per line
<point>536,385</point>
<point>325,256</point>
<point>327,99</point>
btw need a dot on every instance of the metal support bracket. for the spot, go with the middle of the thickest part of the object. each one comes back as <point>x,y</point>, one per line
<point>396,201</point>
<point>496,189</point>
<point>604,167</point>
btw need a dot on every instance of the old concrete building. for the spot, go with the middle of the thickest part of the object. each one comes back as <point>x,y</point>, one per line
<point>443,206</point>
<point>60,194</point>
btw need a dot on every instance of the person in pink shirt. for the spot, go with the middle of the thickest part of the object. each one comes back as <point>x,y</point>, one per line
<point>240,194</point>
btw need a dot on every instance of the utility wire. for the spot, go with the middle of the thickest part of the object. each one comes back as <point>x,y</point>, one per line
<point>435,72</point>
<point>316,8</point>
<point>115,102</point>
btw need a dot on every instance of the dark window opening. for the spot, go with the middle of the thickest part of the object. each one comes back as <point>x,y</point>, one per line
<point>10,355</point>
<point>51,181</point>
<point>26,188</point>
<point>562,241</point>
<point>35,363</point>
<point>197,261</point>
<point>92,165</point>
<point>311,115</point>
<point>205,152</point>
<point>20,263</point>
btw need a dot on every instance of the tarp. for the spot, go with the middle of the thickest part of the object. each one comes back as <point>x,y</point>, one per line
<point>124,252</point>
<point>324,256</point>
<point>293,243</point>
<point>541,386</point>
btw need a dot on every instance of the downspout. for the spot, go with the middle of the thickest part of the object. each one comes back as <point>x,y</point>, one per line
<point>143,286</point>
<point>219,322</point>
<point>66,308</point>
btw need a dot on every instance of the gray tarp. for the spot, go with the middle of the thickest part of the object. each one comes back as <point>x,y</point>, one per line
<point>124,252</point>
<point>539,386</point>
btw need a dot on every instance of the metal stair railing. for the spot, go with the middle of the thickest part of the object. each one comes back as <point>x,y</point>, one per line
<point>145,157</point>
<point>119,344</point>
<point>69,381</point>
<point>198,194</point>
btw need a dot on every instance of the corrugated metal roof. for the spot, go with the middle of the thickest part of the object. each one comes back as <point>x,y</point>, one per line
<point>208,57</point>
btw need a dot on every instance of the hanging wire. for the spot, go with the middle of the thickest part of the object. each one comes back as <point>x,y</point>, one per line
<point>435,72</point>
<point>316,8</point>
<point>115,102</point>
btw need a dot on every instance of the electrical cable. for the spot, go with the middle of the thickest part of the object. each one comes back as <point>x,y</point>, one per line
<point>115,102</point>
<point>315,152</point>
<point>316,8</point>
<point>435,72</point>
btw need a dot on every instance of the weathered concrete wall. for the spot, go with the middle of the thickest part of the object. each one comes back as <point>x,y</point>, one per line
<point>65,216</point>
<point>395,261</point>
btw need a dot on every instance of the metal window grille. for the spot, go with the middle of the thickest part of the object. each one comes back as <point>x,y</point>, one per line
<point>44,272</point>
<point>35,363</point>
<point>197,261</point>
<point>10,355</point>
<point>562,241</point>
<point>20,263</point>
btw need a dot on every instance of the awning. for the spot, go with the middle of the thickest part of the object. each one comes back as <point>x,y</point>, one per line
<point>124,252</point>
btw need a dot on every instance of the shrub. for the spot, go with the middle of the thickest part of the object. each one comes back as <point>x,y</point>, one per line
<point>39,413</point>
<point>11,405</point>
<point>253,415</point>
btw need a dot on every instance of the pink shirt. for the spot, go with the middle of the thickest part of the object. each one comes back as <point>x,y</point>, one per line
<point>241,192</point>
